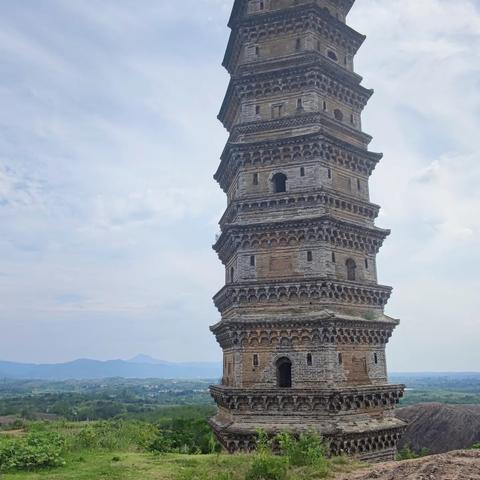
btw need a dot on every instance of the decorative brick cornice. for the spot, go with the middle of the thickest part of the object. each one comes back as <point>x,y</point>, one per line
<point>319,146</point>
<point>369,444</point>
<point>309,17</point>
<point>329,199</point>
<point>308,291</point>
<point>240,8</point>
<point>305,401</point>
<point>310,119</point>
<point>324,229</point>
<point>299,59</point>
<point>303,332</point>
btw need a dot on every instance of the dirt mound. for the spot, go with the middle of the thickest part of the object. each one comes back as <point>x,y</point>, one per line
<point>440,428</point>
<point>460,465</point>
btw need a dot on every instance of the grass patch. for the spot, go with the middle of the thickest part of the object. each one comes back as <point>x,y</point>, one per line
<point>144,466</point>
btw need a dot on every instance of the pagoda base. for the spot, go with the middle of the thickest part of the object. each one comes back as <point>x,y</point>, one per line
<point>367,430</point>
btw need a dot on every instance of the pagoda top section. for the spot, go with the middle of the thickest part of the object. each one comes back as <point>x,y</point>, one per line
<point>244,8</point>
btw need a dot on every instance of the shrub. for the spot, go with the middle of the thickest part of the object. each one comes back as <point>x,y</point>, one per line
<point>370,315</point>
<point>184,436</point>
<point>306,450</point>
<point>476,446</point>
<point>37,450</point>
<point>113,435</point>
<point>406,453</point>
<point>265,466</point>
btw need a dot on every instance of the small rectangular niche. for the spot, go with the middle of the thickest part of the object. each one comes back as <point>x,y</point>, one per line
<point>309,256</point>
<point>255,362</point>
<point>277,111</point>
<point>252,260</point>
<point>255,178</point>
<point>309,359</point>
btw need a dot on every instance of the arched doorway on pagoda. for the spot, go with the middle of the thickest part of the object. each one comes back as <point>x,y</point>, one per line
<point>284,373</point>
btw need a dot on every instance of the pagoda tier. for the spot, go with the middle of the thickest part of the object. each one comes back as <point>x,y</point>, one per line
<point>323,149</point>
<point>303,328</point>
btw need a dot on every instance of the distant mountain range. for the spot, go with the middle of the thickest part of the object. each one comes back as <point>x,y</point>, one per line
<point>141,366</point>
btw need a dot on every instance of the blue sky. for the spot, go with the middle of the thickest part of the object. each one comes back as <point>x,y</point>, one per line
<point>109,142</point>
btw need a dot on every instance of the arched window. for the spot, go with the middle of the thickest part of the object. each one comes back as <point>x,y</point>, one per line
<point>279,183</point>
<point>232,275</point>
<point>332,55</point>
<point>375,357</point>
<point>284,373</point>
<point>309,359</point>
<point>338,115</point>
<point>351,270</point>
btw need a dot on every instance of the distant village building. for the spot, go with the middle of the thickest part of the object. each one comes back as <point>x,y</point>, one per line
<point>303,328</point>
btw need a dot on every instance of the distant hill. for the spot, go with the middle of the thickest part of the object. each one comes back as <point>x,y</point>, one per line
<point>140,366</point>
<point>439,427</point>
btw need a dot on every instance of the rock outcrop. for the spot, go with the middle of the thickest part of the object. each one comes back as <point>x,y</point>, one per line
<point>458,465</point>
<point>440,428</point>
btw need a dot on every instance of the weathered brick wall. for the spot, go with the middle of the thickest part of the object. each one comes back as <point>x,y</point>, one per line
<point>291,44</point>
<point>294,104</point>
<point>356,367</point>
<point>317,173</point>
<point>293,262</point>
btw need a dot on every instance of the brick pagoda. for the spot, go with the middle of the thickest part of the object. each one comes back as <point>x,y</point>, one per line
<point>303,329</point>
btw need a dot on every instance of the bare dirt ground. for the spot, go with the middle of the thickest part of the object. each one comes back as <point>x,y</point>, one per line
<point>12,433</point>
<point>459,465</point>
